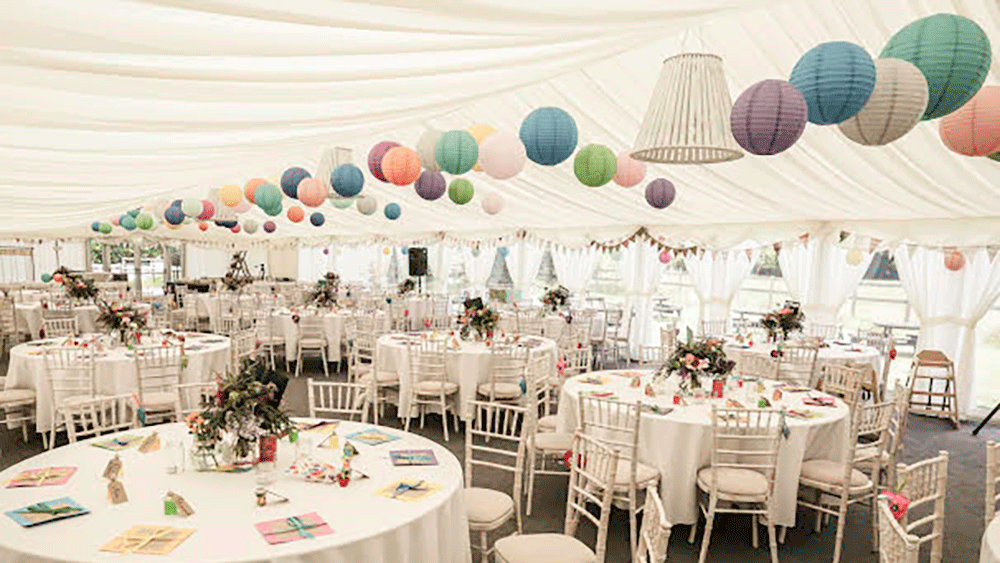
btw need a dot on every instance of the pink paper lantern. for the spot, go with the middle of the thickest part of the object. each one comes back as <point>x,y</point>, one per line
<point>207,210</point>
<point>376,155</point>
<point>665,257</point>
<point>235,229</point>
<point>630,171</point>
<point>269,226</point>
<point>311,192</point>
<point>114,220</point>
<point>502,155</point>
<point>953,259</point>
<point>202,227</point>
<point>492,204</point>
<point>974,129</point>
<point>295,214</point>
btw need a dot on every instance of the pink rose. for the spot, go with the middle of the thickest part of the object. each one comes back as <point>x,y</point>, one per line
<point>689,358</point>
<point>786,311</point>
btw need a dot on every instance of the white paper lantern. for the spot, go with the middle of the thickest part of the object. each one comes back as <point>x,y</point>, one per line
<point>425,149</point>
<point>502,155</point>
<point>896,105</point>
<point>250,226</point>
<point>367,204</point>
<point>493,203</point>
<point>854,255</point>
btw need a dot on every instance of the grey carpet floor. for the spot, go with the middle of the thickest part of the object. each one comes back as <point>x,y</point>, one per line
<point>731,535</point>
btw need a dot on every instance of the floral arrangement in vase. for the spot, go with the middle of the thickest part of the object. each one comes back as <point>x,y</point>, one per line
<point>555,299</point>
<point>326,291</point>
<point>477,316</point>
<point>234,282</point>
<point>406,286</point>
<point>77,286</point>
<point>126,319</point>
<point>696,358</point>
<point>779,324</point>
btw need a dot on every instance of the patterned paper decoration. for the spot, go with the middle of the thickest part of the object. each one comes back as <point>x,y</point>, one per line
<point>456,152</point>
<point>836,79</point>
<point>974,130</point>
<point>951,51</point>
<point>376,155</point>
<point>250,189</point>
<point>207,210</point>
<point>173,215</point>
<point>595,165</point>
<point>425,149</point>
<point>392,211</point>
<point>502,155</point>
<point>367,205</point>
<point>549,135</point>
<point>480,133</point>
<point>430,185</point>
<point>460,191</point>
<point>347,180</point>
<point>629,171</point>
<point>311,192</point>
<point>230,195</point>
<point>660,193</point>
<point>317,219</point>
<point>401,166</point>
<point>492,203</point>
<point>295,214</point>
<point>144,221</point>
<point>954,260</point>
<point>105,228</point>
<point>250,226</point>
<point>269,226</point>
<point>290,180</point>
<point>896,105</point>
<point>768,117</point>
<point>127,222</point>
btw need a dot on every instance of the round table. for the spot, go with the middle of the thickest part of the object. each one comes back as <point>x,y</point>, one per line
<point>834,353</point>
<point>29,317</point>
<point>209,303</point>
<point>989,551</point>
<point>467,366</point>
<point>115,369</point>
<point>333,327</point>
<point>680,443</point>
<point>366,527</point>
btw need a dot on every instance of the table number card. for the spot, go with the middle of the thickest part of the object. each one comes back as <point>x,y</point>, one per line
<point>148,540</point>
<point>44,477</point>
<point>45,512</point>
<point>372,437</point>
<point>302,527</point>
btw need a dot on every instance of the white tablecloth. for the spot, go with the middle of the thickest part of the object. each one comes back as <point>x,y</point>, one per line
<point>366,527</point>
<point>989,551</point>
<point>680,443</point>
<point>115,369</point>
<point>832,354</point>
<point>468,366</point>
<point>29,317</point>
<point>333,327</point>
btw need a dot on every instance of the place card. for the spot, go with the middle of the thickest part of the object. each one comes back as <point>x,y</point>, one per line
<point>113,469</point>
<point>148,540</point>
<point>372,437</point>
<point>404,458</point>
<point>321,426</point>
<point>409,490</point>
<point>44,477</point>
<point>594,380</point>
<point>116,492</point>
<point>151,443</point>
<point>294,528</point>
<point>45,512</point>
<point>118,443</point>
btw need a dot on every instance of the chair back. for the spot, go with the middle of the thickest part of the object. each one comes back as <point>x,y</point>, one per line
<point>8,316</point>
<point>508,367</point>
<point>797,363</point>
<point>746,439</point>
<point>894,544</point>
<point>191,397</point>
<point>927,488</point>
<point>158,369</point>
<point>100,415</point>
<point>311,329</point>
<point>59,326</point>
<point>591,480</point>
<point>613,423</point>
<point>714,328</point>
<point>824,331</point>
<point>842,381</point>
<point>576,360</point>
<point>70,371</point>
<point>992,477</point>
<point>760,366</point>
<point>336,399</point>
<point>243,346</point>
<point>541,382</point>
<point>494,438</point>
<point>870,422</point>
<point>650,355</point>
<point>898,423</point>
<point>654,535</point>
<point>530,324</point>
<point>668,339</point>
<point>427,361</point>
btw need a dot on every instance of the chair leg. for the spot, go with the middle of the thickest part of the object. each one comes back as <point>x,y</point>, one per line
<point>444,418</point>
<point>694,528</point>
<point>841,517</point>
<point>819,514</point>
<point>754,532</point>
<point>771,536</point>
<point>633,538</point>
<point>531,478</point>
<point>781,534</point>
<point>326,367</point>
<point>709,519</point>
<point>484,547</point>
<point>298,362</point>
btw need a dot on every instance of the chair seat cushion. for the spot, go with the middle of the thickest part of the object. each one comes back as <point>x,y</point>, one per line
<point>159,399</point>
<point>500,390</point>
<point>312,343</point>
<point>734,481</point>
<point>380,376</point>
<point>547,423</point>
<point>867,454</point>
<point>831,473</point>
<point>552,441</point>
<point>435,387</point>
<point>543,548</point>
<point>487,509</point>
<point>643,473</point>
<point>16,396</point>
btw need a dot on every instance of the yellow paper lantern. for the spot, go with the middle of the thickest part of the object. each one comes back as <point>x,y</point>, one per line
<point>230,195</point>
<point>480,132</point>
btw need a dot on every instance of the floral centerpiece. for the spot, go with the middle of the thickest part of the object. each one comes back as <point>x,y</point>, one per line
<point>126,319</point>
<point>555,299</point>
<point>786,320</point>
<point>77,286</point>
<point>406,286</point>
<point>325,293</point>
<point>234,282</point>
<point>477,316</point>
<point>696,358</point>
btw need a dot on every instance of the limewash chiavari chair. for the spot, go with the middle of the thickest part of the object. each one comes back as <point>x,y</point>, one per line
<point>70,373</point>
<point>714,328</point>
<point>337,399</point>
<point>926,487</point>
<point>543,445</point>
<point>842,381</point>
<point>158,370</point>
<point>429,384</point>
<point>508,364</point>
<point>668,339</point>
<point>654,534</point>
<point>59,327</point>
<point>824,331</point>
<point>17,407</point>
<point>271,341</point>
<point>192,397</point>
<point>650,356</point>
<point>797,363</point>
<point>895,545</point>
<point>312,338</point>
<point>100,415</point>
<point>758,366</point>
<point>242,346</point>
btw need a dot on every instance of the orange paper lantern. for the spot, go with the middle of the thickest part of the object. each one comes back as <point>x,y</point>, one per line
<point>203,226</point>
<point>401,166</point>
<point>974,129</point>
<point>311,192</point>
<point>251,187</point>
<point>295,214</point>
<point>954,260</point>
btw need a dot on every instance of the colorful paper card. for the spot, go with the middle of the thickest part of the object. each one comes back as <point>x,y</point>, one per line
<point>804,414</point>
<point>48,511</point>
<point>43,477</point>
<point>413,457</point>
<point>409,490</point>
<point>595,380</point>
<point>148,540</point>
<point>321,426</point>
<point>284,530</point>
<point>372,437</point>
<point>119,443</point>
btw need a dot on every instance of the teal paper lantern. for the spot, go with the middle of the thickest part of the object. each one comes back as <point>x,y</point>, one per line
<point>342,203</point>
<point>267,197</point>
<point>127,222</point>
<point>836,79</point>
<point>595,165</point>
<point>549,135</point>
<point>456,152</point>
<point>273,211</point>
<point>95,226</point>
<point>135,212</point>
<point>460,191</point>
<point>392,211</point>
<point>46,278</point>
<point>317,219</point>
<point>105,228</point>
<point>347,180</point>
<point>952,51</point>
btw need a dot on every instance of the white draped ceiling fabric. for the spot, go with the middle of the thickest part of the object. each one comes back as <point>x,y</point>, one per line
<point>819,276</point>
<point>716,277</point>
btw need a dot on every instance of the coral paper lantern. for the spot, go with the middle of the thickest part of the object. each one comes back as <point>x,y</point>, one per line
<point>376,155</point>
<point>202,227</point>
<point>549,135</point>
<point>207,210</point>
<point>425,149</point>
<point>974,130</point>
<point>311,192</point>
<point>629,170</point>
<point>236,229</point>
<point>456,152</point>
<point>269,226</point>
<point>430,185</point>
<point>660,193</point>
<point>460,191</point>
<point>392,211</point>
<point>230,195</point>
<point>295,214</point>
<point>250,189</point>
<point>401,166</point>
<point>665,257</point>
<point>317,219</point>
<point>768,117</point>
<point>951,51</point>
<point>954,260</point>
<point>836,79</point>
<point>480,133</point>
<point>291,178</point>
<point>492,204</point>
<point>896,105</point>
<point>502,155</point>
<point>347,180</point>
<point>595,165</point>
<point>367,205</point>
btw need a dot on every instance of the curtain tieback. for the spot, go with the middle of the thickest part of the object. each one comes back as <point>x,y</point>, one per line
<point>935,321</point>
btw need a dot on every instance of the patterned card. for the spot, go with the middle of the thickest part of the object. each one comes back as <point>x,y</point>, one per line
<point>48,511</point>
<point>119,443</point>
<point>409,490</point>
<point>321,426</point>
<point>284,530</point>
<point>148,540</point>
<point>413,457</point>
<point>43,477</point>
<point>595,380</point>
<point>372,437</point>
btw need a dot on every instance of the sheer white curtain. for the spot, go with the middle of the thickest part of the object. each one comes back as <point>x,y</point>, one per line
<point>717,277</point>
<point>314,263</point>
<point>478,266</point>
<point>523,262</point>
<point>949,305</point>
<point>205,262</point>
<point>640,270</point>
<point>353,263</point>
<point>440,258</point>
<point>819,276</point>
<point>575,268</point>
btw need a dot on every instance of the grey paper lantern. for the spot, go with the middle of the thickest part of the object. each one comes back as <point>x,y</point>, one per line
<point>660,193</point>
<point>769,117</point>
<point>895,107</point>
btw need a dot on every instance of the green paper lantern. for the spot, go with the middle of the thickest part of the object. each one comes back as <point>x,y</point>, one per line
<point>342,203</point>
<point>268,196</point>
<point>460,191</point>
<point>456,152</point>
<point>953,52</point>
<point>595,165</point>
<point>105,228</point>
<point>144,221</point>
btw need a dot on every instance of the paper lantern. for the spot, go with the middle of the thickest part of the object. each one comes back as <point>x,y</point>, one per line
<point>768,117</point>
<point>176,203</point>
<point>250,226</point>
<point>376,155</point>
<point>392,211</point>
<point>548,135</point>
<point>502,155</point>
<point>836,79</point>
<point>660,193</point>
<point>291,178</point>
<point>235,229</point>
<point>250,189</point>
<point>480,133</point>
<point>951,51</point>
<point>105,228</point>
<point>629,171</point>
<point>95,226</point>
<point>456,152</point>
<point>994,156</point>
<point>386,251</point>
<point>207,210</point>
<point>974,130</point>
<point>425,149</point>
<point>347,180</point>
<point>144,221</point>
<point>225,224</point>
<point>173,215</point>
<point>295,214</point>
<point>326,251</point>
<point>460,191</point>
<point>492,204</point>
<point>203,227</point>
<point>367,205</point>
<point>267,197</point>
<point>954,260</point>
<point>342,203</point>
<point>133,213</point>
<point>504,251</point>
<point>242,207</point>
<point>269,226</point>
<point>311,192</point>
<point>595,165</point>
<point>665,257</point>
<point>273,211</point>
<point>317,219</point>
<point>127,222</point>
<point>401,166</point>
<point>46,278</point>
<point>430,185</point>
<point>896,105</point>
<point>854,256</point>
<point>57,278</point>
<point>230,195</point>
<point>116,219</point>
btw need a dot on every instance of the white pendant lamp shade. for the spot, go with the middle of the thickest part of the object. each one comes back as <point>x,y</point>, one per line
<point>687,121</point>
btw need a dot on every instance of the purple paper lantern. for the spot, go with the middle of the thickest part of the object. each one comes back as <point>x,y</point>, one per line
<point>660,193</point>
<point>376,155</point>
<point>430,185</point>
<point>769,117</point>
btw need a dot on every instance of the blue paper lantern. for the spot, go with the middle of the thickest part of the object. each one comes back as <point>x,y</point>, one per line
<point>95,226</point>
<point>317,219</point>
<point>549,135</point>
<point>347,180</point>
<point>392,211</point>
<point>290,181</point>
<point>836,79</point>
<point>226,224</point>
<point>127,222</point>
<point>173,215</point>
<point>176,203</point>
